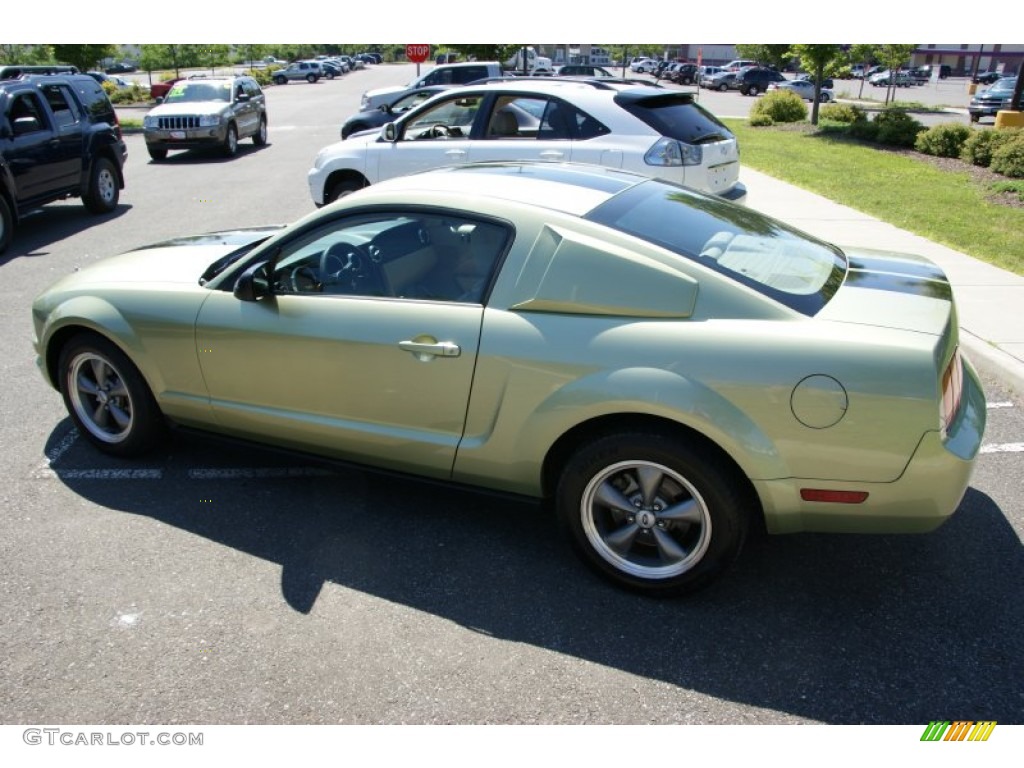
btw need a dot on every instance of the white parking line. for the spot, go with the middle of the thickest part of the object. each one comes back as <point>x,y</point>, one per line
<point>244,473</point>
<point>992,406</point>
<point>1002,448</point>
<point>98,474</point>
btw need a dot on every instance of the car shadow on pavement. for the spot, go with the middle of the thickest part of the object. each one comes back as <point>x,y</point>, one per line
<point>835,629</point>
<point>204,156</point>
<point>38,230</point>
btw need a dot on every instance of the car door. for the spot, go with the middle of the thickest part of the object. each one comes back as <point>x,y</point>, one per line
<point>433,136</point>
<point>32,150</point>
<point>515,129</point>
<point>366,348</point>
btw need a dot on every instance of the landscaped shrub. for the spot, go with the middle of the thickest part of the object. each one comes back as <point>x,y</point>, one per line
<point>865,130</point>
<point>1008,158</point>
<point>760,121</point>
<point>946,140</point>
<point>979,147</point>
<point>841,113</point>
<point>781,107</point>
<point>897,128</point>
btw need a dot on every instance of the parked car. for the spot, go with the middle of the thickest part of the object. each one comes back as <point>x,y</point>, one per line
<point>944,70</point>
<point>159,90</point>
<point>989,102</point>
<point>459,73</point>
<point>737,64</point>
<point>705,73</point>
<point>59,138</point>
<point>986,78</point>
<point>638,61</point>
<point>826,82</point>
<point>120,68</point>
<point>667,370</point>
<point>804,89</point>
<point>581,70</point>
<point>103,77</point>
<point>720,81</point>
<point>886,78</point>
<point>297,70</point>
<point>755,80</point>
<point>648,130</point>
<point>684,74</point>
<point>207,112</point>
<point>374,118</point>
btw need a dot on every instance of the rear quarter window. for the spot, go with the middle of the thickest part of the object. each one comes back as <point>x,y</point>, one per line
<point>676,116</point>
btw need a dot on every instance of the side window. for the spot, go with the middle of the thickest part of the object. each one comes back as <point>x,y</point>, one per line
<point>428,256</point>
<point>564,121</point>
<point>468,74</point>
<point>27,105</point>
<point>516,117</point>
<point>452,118</point>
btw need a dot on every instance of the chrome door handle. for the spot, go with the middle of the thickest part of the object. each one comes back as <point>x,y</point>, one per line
<point>455,153</point>
<point>426,351</point>
<point>552,154</point>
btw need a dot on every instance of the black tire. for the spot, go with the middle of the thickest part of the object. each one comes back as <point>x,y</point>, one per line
<point>6,224</point>
<point>341,188</point>
<point>311,78</point>
<point>281,80</point>
<point>651,512</point>
<point>157,154</point>
<point>753,90</point>
<point>825,98</point>
<point>260,137</point>
<point>107,397</point>
<point>104,187</point>
<point>230,146</point>
<point>723,87</point>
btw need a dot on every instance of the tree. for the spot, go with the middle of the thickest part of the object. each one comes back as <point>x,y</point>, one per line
<point>864,54</point>
<point>483,52</point>
<point>892,57</point>
<point>815,59</point>
<point>26,54</point>
<point>768,55</point>
<point>84,57</point>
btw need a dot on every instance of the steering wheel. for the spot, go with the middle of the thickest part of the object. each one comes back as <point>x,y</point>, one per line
<point>436,131</point>
<point>302,279</point>
<point>345,266</point>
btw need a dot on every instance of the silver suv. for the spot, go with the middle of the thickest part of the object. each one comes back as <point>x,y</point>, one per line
<point>212,112</point>
<point>648,130</point>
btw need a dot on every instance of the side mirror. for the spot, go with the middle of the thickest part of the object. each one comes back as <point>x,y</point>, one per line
<point>389,133</point>
<point>26,125</point>
<point>159,99</point>
<point>242,97</point>
<point>254,283</point>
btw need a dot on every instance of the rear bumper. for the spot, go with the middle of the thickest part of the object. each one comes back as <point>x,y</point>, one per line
<point>925,495</point>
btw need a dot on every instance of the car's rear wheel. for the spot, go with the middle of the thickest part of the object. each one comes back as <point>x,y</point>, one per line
<point>723,87</point>
<point>230,146</point>
<point>260,137</point>
<point>157,154</point>
<point>107,397</point>
<point>6,224</point>
<point>652,512</point>
<point>281,80</point>
<point>311,78</point>
<point>104,191</point>
<point>825,98</point>
<point>753,90</point>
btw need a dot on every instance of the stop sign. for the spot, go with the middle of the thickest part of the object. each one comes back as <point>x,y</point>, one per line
<point>417,53</point>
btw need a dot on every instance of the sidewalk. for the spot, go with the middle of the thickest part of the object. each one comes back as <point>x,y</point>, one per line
<point>990,300</point>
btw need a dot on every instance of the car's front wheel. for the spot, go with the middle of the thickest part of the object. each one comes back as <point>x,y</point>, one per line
<point>281,80</point>
<point>107,397</point>
<point>104,191</point>
<point>652,512</point>
<point>342,188</point>
<point>753,90</point>
<point>230,146</point>
<point>157,154</point>
<point>825,98</point>
<point>723,87</point>
<point>311,78</point>
<point>260,137</point>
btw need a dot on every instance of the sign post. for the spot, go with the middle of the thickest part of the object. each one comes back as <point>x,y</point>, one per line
<point>417,53</point>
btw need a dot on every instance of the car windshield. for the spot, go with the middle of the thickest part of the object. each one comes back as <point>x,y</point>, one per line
<point>768,256</point>
<point>1006,84</point>
<point>192,91</point>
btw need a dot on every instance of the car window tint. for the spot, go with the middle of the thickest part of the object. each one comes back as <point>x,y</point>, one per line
<point>676,116</point>
<point>451,118</point>
<point>432,256</point>
<point>26,105</point>
<point>62,103</point>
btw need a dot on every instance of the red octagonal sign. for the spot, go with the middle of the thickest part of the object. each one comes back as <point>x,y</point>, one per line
<point>417,53</point>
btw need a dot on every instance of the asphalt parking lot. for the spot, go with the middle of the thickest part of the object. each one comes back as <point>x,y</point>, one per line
<point>220,584</point>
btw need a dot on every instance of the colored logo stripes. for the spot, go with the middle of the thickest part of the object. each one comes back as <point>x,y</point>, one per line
<point>959,730</point>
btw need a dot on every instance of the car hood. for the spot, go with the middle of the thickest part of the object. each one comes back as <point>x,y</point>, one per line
<point>189,108</point>
<point>892,290</point>
<point>180,260</point>
<point>376,93</point>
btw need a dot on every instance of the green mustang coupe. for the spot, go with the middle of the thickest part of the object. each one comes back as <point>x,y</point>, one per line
<point>666,368</point>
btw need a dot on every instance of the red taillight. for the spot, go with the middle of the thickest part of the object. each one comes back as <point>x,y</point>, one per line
<point>952,389</point>
<point>834,497</point>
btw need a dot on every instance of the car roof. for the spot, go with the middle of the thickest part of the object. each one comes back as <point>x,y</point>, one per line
<point>573,189</point>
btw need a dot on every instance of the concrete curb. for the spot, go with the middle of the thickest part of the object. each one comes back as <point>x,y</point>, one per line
<point>994,362</point>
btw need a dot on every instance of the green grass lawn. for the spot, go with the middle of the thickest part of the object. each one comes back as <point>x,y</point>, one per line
<point>945,206</point>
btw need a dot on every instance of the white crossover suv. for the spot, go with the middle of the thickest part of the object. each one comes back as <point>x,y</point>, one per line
<point>616,124</point>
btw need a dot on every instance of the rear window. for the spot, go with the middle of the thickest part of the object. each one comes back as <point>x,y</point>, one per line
<point>768,256</point>
<point>676,116</point>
